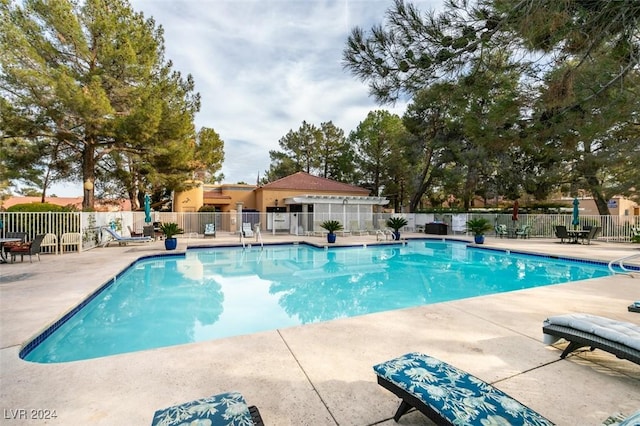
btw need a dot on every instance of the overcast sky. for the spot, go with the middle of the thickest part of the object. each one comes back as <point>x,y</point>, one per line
<point>263,66</point>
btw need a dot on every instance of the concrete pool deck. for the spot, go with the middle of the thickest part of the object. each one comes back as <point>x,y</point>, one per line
<point>318,374</point>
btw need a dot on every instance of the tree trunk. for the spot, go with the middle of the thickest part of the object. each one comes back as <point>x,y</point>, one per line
<point>424,182</point>
<point>88,174</point>
<point>601,203</point>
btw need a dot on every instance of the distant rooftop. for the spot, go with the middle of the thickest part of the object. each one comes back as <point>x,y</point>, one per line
<point>302,181</point>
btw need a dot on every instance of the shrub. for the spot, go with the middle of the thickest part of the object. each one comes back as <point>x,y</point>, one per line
<point>331,226</point>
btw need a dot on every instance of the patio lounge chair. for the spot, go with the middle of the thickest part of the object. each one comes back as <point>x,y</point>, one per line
<point>561,232</point>
<point>49,244</point>
<point>524,231</point>
<point>134,233</point>
<point>501,231</point>
<point>210,230</point>
<point>224,409</point>
<point>70,239</point>
<point>621,339</point>
<point>591,235</point>
<point>449,396</point>
<point>117,238</point>
<point>246,230</point>
<point>354,227</point>
<point>31,248</point>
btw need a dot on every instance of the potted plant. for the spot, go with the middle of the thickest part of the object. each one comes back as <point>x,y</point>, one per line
<point>332,226</point>
<point>478,227</point>
<point>170,229</point>
<point>395,223</point>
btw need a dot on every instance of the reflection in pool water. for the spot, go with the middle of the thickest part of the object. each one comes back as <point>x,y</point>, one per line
<point>215,293</point>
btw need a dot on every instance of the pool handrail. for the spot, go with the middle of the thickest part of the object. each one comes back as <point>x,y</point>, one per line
<point>621,265</point>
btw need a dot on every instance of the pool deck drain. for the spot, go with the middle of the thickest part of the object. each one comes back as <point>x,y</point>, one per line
<point>318,374</point>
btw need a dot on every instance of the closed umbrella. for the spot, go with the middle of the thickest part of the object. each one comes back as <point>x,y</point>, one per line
<point>514,216</point>
<point>147,209</point>
<point>576,219</point>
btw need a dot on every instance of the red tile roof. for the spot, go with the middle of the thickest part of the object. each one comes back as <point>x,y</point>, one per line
<point>302,181</point>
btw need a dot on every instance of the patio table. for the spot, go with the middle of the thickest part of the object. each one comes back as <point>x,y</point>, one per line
<point>575,234</point>
<point>3,258</point>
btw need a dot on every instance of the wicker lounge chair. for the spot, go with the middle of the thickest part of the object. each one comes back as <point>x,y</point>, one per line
<point>561,232</point>
<point>586,239</point>
<point>224,409</point>
<point>448,395</point>
<point>621,339</point>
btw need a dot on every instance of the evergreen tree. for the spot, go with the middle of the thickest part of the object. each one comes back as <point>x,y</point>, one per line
<point>89,88</point>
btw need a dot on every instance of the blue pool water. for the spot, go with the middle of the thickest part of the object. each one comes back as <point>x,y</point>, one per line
<point>219,292</point>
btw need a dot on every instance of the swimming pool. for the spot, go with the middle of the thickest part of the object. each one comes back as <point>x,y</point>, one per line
<point>214,293</point>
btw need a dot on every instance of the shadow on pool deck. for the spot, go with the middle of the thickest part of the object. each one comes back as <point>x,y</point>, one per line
<point>318,374</point>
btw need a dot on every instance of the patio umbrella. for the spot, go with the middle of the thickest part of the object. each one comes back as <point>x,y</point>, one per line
<point>515,211</point>
<point>147,209</point>
<point>576,220</point>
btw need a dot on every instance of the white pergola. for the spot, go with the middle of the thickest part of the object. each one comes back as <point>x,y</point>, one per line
<point>352,211</point>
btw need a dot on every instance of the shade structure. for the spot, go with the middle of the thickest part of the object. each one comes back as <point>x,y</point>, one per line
<point>147,209</point>
<point>514,216</point>
<point>576,214</point>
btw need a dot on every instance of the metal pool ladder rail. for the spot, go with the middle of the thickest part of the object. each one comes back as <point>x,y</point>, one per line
<point>620,263</point>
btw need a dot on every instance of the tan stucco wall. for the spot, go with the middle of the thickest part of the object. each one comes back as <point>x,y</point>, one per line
<point>240,194</point>
<point>190,200</point>
<point>251,197</point>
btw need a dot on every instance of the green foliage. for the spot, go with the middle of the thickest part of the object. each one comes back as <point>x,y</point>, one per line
<point>396,222</point>
<point>41,207</point>
<point>209,154</point>
<point>478,226</point>
<point>89,95</point>
<point>331,226</point>
<point>497,124</point>
<point>380,143</point>
<point>170,229</point>
<point>322,151</point>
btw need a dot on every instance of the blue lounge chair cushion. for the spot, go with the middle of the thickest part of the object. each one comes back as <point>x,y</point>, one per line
<point>224,409</point>
<point>455,395</point>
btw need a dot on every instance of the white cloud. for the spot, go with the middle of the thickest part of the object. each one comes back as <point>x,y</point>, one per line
<point>263,66</point>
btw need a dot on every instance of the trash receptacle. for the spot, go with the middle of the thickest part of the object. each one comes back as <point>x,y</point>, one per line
<point>436,228</point>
